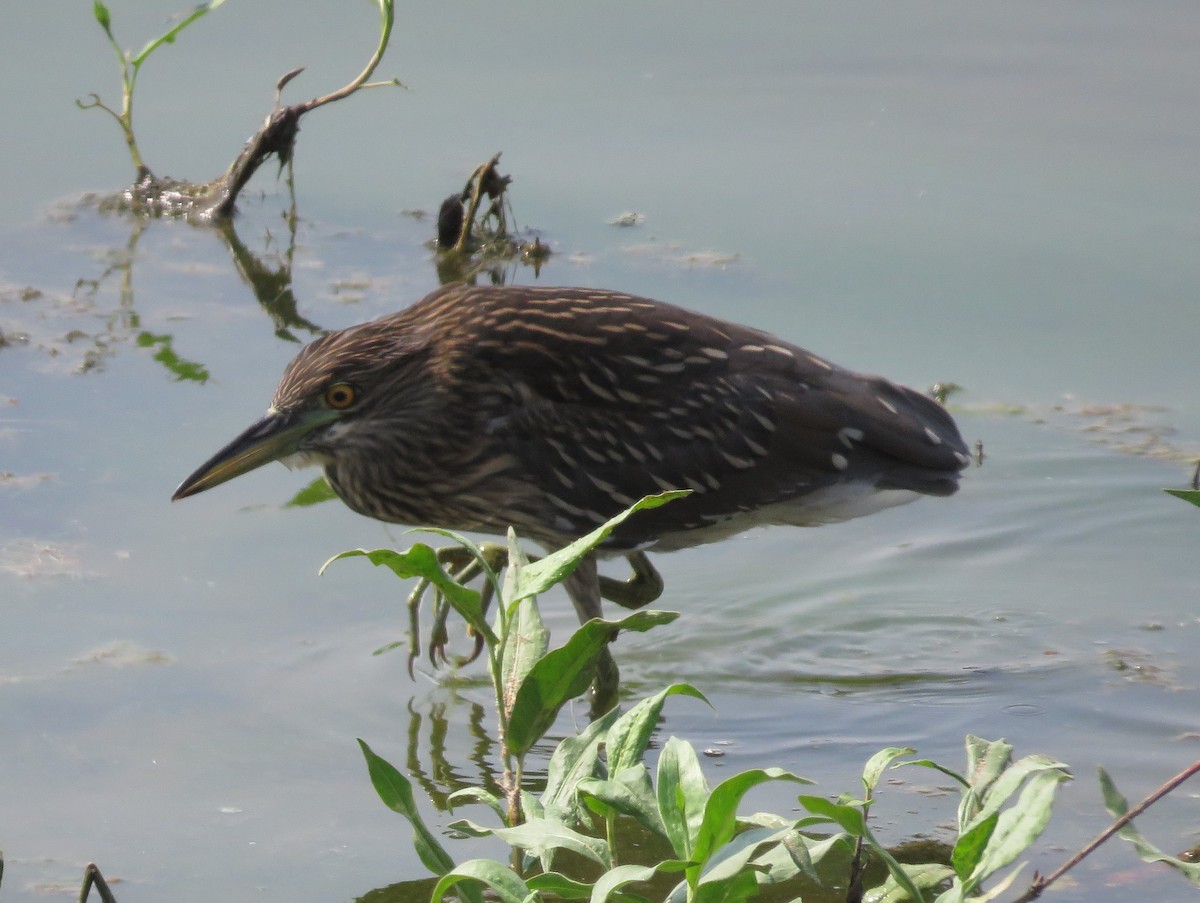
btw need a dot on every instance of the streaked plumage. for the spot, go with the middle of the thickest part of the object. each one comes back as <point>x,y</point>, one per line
<point>551,409</point>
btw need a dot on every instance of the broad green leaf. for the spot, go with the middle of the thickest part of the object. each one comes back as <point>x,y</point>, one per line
<point>168,37</point>
<point>575,759</point>
<point>927,876</point>
<point>509,888</point>
<point>559,885</point>
<point>1188,495</point>
<point>470,828</point>
<point>476,795</point>
<point>1009,781</point>
<point>615,879</point>
<point>986,760</point>
<point>422,561</point>
<point>542,837</point>
<point>741,853</point>
<point>551,570</point>
<point>1021,824</point>
<point>720,811</point>
<point>742,886</point>
<point>564,673</point>
<point>630,735</point>
<point>795,854</point>
<point>879,762</point>
<point>1117,806</point>
<point>682,794</point>
<point>628,793</point>
<point>969,848</point>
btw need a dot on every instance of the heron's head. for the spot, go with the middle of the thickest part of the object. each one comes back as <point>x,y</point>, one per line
<point>344,391</point>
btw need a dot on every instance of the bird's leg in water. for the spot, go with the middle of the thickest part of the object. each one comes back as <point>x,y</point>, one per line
<point>462,568</point>
<point>583,586</point>
<point>584,589</point>
<point>638,591</point>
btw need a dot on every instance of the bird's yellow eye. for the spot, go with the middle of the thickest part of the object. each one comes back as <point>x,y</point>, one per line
<point>340,396</point>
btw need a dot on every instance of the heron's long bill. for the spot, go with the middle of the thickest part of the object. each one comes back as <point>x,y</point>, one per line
<point>274,436</point>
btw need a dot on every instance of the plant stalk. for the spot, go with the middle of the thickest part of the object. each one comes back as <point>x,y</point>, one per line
<point>1039,884</point>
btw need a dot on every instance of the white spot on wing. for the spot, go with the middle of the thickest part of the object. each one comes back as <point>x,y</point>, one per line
<point>849,435</point>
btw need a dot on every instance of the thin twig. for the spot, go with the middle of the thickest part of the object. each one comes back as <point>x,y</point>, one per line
<point>1039,883</point>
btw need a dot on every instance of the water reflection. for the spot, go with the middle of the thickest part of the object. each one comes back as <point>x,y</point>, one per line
<point>427,759</point>
<point>270,279</point>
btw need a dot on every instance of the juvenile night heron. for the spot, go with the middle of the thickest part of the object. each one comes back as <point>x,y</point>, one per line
<point>552,409</point>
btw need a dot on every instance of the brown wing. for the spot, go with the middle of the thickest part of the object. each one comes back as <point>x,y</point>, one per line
<point>604,398</point>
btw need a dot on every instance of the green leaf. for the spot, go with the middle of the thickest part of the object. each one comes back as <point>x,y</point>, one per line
<point>929,763</point>
<point>848,818</point>
<point>168,37</point>
<point>470,828</point>
<point>575,759</point>
<point>852,820</point>
<point>1019,825</point>
<point>795,854</point>
<point>100,11</point>
<point>735,889</point>
<point>1003,787</point>
<point>926,876</point>
<point>486,554</point>
<point>564,673</point>
<point>313,494</point>
<point>682,794</point>
<point>476,795</point>
<point>552,569</point>
<point>720,811</point>
<point>501,879</point>
<point>986,761</point>
<point>422,561</point>
<point>1117,806</point>
<point>630,735</point>
<point>1188,495</point>
<point>879,762</point>
<point>523,636</point>
<point>743,852</point>
<point>559,886</point>
<point>615,879</point>
<point>970,847</point>
<point>997,890</point>
<point>541,837</point>
<point>396,792</point>
<point>629,792</point>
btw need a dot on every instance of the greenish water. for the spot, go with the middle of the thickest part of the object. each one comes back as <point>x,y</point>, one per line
<point>999,196</point>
